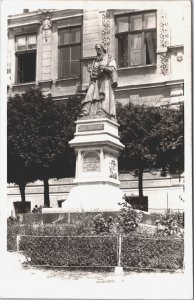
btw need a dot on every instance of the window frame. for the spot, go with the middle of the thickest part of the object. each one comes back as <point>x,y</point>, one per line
<point>26,38</point>
<point>26,51</point>
<point>130,32</point>
<point>70,45</point>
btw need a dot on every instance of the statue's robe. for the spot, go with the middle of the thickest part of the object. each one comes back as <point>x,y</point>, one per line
<point>102,84</point>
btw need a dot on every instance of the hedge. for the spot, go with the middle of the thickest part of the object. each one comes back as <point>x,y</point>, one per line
<point>159,253</point>
<point>94,251</point>
<point>101,251</point>
<point>13,230</point>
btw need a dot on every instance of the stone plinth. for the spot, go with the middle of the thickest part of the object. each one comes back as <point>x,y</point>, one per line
<point>96,143</point>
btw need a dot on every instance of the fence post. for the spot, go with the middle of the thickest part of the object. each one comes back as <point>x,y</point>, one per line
<point>69,218</point>
<point>18,238</point>
<point>119,269</point>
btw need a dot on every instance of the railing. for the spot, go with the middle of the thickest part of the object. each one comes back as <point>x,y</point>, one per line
<point>133,252</point>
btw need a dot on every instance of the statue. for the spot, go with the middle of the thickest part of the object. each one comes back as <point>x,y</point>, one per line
<point>99,99</point>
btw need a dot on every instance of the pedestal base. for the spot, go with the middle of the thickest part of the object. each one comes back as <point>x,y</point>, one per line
<point>93,198</point>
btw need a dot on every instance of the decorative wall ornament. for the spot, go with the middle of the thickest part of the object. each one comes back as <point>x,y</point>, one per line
<point>106,30</point>
<point>164,42</point>
<point>164,31</point>
<point>46,23</point>
<point>179,56</point>
<point>164,63</point>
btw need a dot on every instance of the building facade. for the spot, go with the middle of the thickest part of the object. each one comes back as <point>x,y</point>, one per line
<point>53,49</point>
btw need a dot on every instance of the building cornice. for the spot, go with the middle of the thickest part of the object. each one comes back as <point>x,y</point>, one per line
<point>21,25</point>
<point>38,12</point>
<point>66,17</point>
<point>170,83</point>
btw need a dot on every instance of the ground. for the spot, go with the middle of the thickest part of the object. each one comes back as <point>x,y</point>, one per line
<point>18,281</point>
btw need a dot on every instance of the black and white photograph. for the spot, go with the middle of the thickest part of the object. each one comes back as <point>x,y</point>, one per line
<point>96,150</point>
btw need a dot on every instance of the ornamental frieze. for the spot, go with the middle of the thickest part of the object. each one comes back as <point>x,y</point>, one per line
<point>164,42</point>
<point>106,30</point>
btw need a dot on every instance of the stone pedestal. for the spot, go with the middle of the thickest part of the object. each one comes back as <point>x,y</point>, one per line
<point>96,143</point>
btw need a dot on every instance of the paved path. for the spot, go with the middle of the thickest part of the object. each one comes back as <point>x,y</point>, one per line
<point>19,282</point>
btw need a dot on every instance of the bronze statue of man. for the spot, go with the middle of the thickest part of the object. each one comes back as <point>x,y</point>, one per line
<point>99,99</point>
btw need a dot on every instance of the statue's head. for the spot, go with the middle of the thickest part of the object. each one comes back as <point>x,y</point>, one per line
<point>100,49</point>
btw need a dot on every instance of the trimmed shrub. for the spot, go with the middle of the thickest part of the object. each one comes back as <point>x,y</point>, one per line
<point>45,250</point>
<point>159,253</point>
<point>70,251</point>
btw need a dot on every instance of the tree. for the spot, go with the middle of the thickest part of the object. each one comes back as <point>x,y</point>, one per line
<point>153,137</point>
<point>170,151</point>
<point>39,130</point>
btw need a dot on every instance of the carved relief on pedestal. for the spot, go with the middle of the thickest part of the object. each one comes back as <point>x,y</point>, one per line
<point>106,29</point>
<point>164,42</point>
<point>113,168</point>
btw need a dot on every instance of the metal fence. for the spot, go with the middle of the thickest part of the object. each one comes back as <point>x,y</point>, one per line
<point>103,251</point>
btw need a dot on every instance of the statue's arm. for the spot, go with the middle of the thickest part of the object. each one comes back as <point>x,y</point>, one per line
<point>111,67</point>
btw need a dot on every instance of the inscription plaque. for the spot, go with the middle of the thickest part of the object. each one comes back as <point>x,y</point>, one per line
<point>91,162</point>
<point>90,127</point>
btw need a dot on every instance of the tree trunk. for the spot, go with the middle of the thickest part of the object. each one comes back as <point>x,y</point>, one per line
<point>140,182</point>
<point>46,193</point>
<point>22,187</point>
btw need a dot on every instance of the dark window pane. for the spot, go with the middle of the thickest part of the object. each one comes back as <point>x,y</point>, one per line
<point>123,51</point>
<point>26,71</point>
<point>64,54</point>
<point>75,68</point>
<point>75,53</point>
<point>136,22</point>
<point>150,20</point>
<point>75,35</point>
<point>64,69</point>
<point>150,42</point>
<point>122,24</point>
<point>64,37</point>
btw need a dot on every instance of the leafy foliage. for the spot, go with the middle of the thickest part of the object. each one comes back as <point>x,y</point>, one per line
<point>103,227</point>
<point>170,224</point>
<point>136,251</point>
<point>78,245</point>
<point>128,218</point>
<point>170,149</point>
<point>14,228</point>
<point>153,138</point>
<point>70,251</point>
<point>166,253</point>
<point>39,130</point>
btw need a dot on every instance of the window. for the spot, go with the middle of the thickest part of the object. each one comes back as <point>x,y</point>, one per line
<point>26,58</point>
<point>136,38</point>
<point>69,52</point>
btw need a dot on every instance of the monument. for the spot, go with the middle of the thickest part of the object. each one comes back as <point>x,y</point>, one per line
<point>96,142</point>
